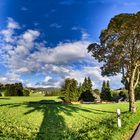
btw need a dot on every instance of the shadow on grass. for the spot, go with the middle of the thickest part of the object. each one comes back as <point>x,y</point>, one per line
<point>53,125</point>
<point>106,111</point>
<point>1,98</point>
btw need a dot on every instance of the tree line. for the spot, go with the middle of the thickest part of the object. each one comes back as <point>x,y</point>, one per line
<point>13,90</point>
<point>72,91</point>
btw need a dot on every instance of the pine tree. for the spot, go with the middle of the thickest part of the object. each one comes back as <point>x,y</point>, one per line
<point>89,84</point>
<point>103,90</point>
<point>84,85</point>
<point>108,84</point>
<point>70,90</point>
<point>106,92</point>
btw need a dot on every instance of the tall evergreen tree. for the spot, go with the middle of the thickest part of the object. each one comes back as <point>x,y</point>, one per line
<point>103,90</point>
<point>106,92</point>
<point>108,84</point>
<point>89,84</point>
<point>84,85</point>
<point>70,90</point>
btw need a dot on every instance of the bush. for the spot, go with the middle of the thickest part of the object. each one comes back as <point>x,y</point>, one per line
<point>97,91</point>
<point>119,95</point>
<point>13,89</point>
<point>26,92</point>
<point>123,94</point>
<point>52,92</point>
<point>62,98</point>
<point>87,96</point>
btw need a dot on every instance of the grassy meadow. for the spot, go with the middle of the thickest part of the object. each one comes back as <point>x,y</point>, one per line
<point>46,118</point>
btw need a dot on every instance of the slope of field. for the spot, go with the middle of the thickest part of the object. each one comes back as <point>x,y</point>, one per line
<point>47,118</point>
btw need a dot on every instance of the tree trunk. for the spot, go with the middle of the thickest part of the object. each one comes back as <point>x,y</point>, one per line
<point>132,104</point>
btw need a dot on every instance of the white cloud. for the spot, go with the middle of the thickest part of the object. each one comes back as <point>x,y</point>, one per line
<point>63,53</point>
<point>93,72</point>
<point>12,24</point>
<point>30,35</point>
<point>10,78</point>
<point>23,54</point>
<point>23,70</point>
<point>85,35</point>
<point>47,78</point>
<point>7,35</point>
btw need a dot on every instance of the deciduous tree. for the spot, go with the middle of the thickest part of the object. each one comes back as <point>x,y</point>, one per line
<point>119,49</point>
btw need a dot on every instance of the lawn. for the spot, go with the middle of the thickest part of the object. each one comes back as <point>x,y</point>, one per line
<point>45,118</point>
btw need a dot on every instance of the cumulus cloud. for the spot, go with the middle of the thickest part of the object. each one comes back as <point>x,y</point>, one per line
<point>25,54</point>
<point>30,36</point>
<point>63,53</point>
<point>12,24</point>
<point>10,78</point>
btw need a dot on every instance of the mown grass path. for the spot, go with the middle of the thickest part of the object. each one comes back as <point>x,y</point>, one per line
<point>45,118</point>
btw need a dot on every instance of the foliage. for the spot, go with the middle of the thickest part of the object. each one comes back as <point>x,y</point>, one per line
<point>87,96</point>
<point>13,89</point>
<point>26,92</point>
<point>52,92</point>
<point>87,85</point>
<point>70,90</point>
<point>106,92</point>
<point>119,50</point>
<point>97,91</point>
<point>120,94</point>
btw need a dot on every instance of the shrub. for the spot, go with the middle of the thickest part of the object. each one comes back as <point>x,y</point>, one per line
<point>97,91</point>
<point>13,89</point>
<point>26,92</point>
<point>87,96</point>
<point>123,94</point>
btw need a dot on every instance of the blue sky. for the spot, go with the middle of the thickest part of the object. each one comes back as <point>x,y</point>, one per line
<point>42,42</point>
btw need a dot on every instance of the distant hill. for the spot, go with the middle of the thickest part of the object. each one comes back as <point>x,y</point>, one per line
<point>51,91</point>
<point>43,89</point>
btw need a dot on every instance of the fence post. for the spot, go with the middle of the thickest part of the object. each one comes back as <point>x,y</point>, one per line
<point>119,119</point>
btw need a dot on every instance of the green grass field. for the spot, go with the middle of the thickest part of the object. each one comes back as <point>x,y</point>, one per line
<point>45,118</point>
